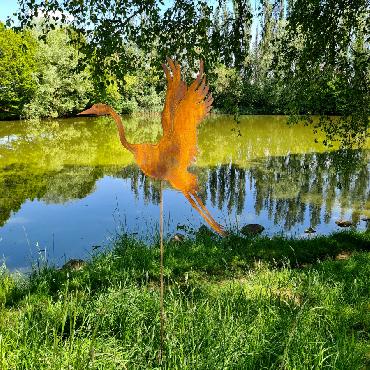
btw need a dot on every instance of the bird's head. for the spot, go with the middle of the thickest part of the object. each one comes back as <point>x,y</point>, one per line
<point>96,110</point>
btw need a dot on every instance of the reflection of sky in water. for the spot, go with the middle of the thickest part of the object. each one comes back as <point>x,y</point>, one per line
<point>7,140</point>
<point>66,195</point>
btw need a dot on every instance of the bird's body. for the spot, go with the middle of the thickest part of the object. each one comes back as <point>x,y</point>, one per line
<point>169,159</point>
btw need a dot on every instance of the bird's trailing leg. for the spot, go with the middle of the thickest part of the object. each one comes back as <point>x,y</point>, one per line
<point>198,205</point>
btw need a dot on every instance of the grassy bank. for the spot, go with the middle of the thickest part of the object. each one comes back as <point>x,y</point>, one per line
<point>230,304</point>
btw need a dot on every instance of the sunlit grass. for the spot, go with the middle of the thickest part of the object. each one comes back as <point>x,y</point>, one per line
<point>230,304</point>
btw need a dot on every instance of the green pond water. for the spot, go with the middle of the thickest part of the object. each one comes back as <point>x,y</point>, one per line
<point>67,187</point>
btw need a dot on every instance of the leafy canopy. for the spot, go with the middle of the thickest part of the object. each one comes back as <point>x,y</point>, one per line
<point>17,68</point>
<point>315,53</point>
<point>325,52</point>
<point>61,88</point>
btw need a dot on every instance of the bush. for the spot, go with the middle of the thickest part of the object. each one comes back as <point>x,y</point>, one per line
<point>129,106</point>
<point>61,88</point>
<point>17,71</point>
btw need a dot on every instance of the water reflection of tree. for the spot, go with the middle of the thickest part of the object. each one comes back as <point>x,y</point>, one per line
<point>15,188</point>
<point>289,188</point>
<point>149,187</point>
<point>19,183</point>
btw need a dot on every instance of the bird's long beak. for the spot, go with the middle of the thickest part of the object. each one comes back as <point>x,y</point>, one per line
<point>89,111</point>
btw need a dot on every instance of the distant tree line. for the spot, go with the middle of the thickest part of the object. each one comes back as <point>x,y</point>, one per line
<point>262,57</point>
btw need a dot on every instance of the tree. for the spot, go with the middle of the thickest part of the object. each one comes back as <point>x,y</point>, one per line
<point>231,33</point>
<point>325,57</point>
<point>60,88</point>
<point>312,58</point>
<point>110,26</point>
<point>17,69</point>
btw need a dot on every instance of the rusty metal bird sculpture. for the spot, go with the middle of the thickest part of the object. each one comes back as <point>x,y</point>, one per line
<point>184,108</point>
<point>169,159</point>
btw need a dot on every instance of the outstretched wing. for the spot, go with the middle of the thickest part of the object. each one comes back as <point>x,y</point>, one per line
<point>176,89</point>
<point>184,109</point>
<point>195,104</point>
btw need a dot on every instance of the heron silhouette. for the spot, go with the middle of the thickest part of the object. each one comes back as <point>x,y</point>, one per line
<point>184,108</point>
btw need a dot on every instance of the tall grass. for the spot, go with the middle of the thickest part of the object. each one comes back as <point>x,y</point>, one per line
<point>230,304</point>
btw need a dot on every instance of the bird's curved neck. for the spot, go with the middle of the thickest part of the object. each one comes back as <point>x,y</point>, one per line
<point>121,131</point>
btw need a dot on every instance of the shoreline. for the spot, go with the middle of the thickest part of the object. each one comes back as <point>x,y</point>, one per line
<point>276,248</point>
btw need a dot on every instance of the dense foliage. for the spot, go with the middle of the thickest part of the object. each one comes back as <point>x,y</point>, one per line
<point>330,65</point>
<point>17,66</point>
<point>61,89</point>
<point>282,57</point>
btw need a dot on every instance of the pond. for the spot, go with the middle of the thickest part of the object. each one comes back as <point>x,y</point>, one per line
<point>68,187</point>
